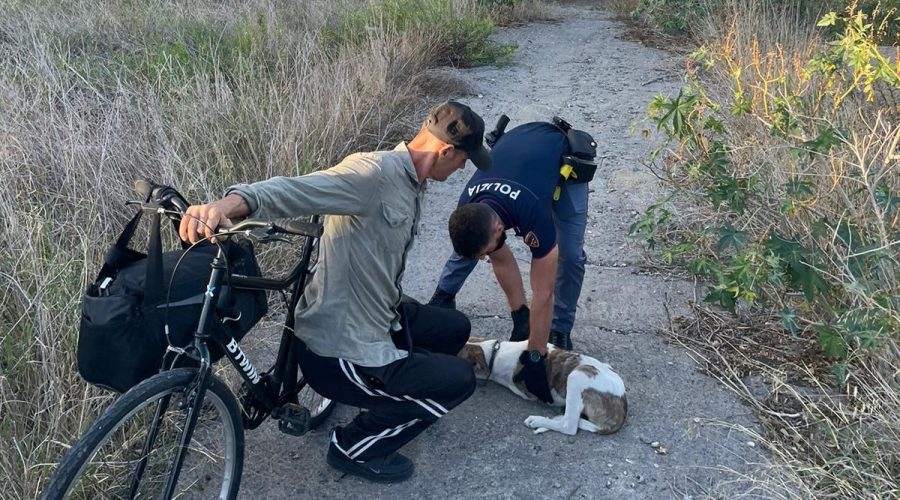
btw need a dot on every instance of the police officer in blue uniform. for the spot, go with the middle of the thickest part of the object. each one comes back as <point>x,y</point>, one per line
<point>524,191</point>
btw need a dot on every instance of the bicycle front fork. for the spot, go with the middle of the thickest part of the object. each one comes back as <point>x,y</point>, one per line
<point>194,395</point>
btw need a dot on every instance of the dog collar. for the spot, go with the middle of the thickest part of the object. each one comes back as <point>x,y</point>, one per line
<point>494,350</point>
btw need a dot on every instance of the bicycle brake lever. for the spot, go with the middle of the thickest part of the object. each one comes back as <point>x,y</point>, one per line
<point>265,235</point>
<point>145,206</point>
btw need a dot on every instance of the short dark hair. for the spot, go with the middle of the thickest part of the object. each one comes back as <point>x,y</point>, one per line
<point>470,228</point>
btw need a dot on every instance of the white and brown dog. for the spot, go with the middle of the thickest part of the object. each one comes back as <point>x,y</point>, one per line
<point>593,394</point>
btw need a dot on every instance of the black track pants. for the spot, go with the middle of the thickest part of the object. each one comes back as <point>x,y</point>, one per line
<point>403,397</point>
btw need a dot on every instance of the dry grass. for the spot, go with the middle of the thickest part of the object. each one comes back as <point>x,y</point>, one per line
<point>527,11</point>
<point>831,440</point>
<point>829,443</point>
<point>198,94</point>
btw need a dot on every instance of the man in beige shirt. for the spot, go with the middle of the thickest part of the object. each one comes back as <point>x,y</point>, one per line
<point>350,318</point>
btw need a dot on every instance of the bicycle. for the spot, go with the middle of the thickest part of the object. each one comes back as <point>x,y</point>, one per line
<point>180,433</point>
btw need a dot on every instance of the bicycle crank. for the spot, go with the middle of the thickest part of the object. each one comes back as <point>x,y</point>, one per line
<point>252,409</point>
<point>292,418</point>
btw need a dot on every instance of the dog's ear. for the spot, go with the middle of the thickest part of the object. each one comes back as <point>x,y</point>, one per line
<point>474,354</point>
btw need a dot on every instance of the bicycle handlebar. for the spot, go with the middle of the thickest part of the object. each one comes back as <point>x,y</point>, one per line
<point>298,227</point>
<point>164,196</point>
<point>158,197</point>
<point>293,226</point>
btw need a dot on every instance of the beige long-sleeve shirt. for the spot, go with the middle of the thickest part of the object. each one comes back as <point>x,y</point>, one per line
<point>373,203</point>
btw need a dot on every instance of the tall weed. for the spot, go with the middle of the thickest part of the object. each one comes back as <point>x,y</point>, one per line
<point>687,17</point>
<point>461,31</point>
<point>783,146</point>
<point>198,94</point>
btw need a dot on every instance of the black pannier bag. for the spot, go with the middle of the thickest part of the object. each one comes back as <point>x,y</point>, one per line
<point>122,338</point>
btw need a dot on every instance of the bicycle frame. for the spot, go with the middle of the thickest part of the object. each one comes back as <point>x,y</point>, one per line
<point>284,376</point>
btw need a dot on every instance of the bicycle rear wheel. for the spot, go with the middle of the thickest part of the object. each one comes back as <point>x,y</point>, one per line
<point>124,455</point>
<point>319,406</point>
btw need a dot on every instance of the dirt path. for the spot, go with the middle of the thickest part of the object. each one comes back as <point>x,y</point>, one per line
<point>585,71</point>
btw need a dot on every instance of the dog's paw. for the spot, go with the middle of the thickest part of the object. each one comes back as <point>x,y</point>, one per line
<point>538,423</point>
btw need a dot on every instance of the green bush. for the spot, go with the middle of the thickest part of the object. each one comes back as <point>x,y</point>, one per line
<point>782,147</point>
<point>673,16</point>
<point>885,17</point>
<point>679,17</point>
<point>807,220</point>
<point>170,57</point>
<point>465,36</point>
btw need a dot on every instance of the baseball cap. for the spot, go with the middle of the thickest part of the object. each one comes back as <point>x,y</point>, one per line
<point>456,124</point>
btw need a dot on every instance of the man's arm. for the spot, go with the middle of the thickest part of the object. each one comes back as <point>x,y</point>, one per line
<point>507,272</point>
<point>345,189</point>
<point>348,188</point>
<point>534,371</point>
<point>543,282</point>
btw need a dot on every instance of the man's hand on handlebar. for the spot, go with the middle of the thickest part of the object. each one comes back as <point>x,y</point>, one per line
<point>201,221</point>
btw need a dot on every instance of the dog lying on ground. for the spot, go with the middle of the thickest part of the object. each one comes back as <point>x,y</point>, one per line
<point>593,394</point>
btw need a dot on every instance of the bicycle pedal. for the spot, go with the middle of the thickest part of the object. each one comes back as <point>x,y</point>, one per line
<point>293,419</point>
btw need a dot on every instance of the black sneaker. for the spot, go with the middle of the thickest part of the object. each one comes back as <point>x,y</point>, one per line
<point>391,468</point>
<point>561,340</point>
<point>443,299</point>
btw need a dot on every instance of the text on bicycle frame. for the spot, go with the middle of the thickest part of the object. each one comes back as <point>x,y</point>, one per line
<point>243,361</point>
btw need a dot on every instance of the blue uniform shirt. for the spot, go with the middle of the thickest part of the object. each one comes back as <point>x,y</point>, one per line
<point>519,185</point>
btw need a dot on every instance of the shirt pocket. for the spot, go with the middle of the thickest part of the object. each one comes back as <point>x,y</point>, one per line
<point>395,230</point>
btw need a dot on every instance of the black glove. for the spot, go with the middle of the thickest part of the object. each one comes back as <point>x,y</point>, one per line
<point>520,324</point>
<point>535,376</point>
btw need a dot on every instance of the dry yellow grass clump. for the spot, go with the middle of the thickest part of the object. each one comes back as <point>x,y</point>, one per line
<point>785,172</point>
<point>94,94</point>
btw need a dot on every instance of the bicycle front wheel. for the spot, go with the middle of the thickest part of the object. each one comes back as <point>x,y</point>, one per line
<point>129,451</point>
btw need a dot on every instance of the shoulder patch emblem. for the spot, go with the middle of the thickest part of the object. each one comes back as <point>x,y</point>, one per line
<point>531,240</point>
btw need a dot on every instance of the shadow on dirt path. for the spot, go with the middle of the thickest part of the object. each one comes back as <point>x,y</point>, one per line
<point>585,71</point>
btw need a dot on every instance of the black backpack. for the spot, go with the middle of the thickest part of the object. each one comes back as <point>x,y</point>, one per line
<point>124,313</point>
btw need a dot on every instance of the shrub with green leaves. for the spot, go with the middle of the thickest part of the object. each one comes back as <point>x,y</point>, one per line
<point>673,16</point>
<point>464,35</point>
<point>885,15</point>
<point>782,156</point>
<point>682,17</point>
<point>801,171</point>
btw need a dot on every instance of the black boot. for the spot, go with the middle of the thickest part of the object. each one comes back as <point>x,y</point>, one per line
<point>443,299</point>
<point>561,340</point>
